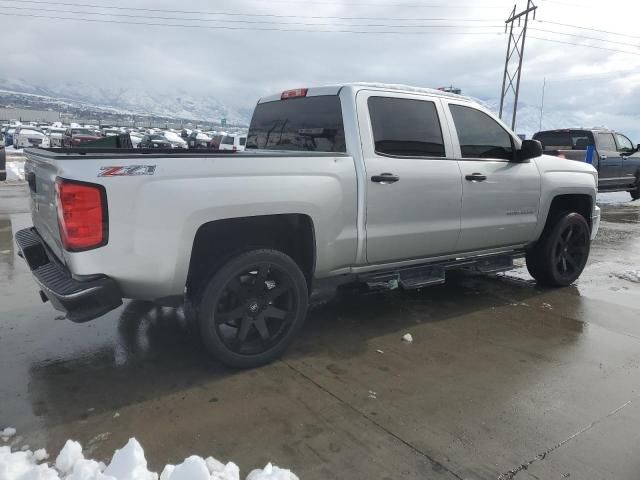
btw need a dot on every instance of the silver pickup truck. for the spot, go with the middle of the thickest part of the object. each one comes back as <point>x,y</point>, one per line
<point>389,186</point>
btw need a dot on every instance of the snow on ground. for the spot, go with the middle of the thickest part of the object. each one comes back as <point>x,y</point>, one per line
<point>612,198</point>
<point>127,463</point>
<point>15,171</point>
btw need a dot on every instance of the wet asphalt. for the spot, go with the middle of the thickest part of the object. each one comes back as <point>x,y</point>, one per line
<point>504,379</point>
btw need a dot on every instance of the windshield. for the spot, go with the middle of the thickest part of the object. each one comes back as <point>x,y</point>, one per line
<point>309,124</point>
<point>82,131</point>
<point>565,140</point>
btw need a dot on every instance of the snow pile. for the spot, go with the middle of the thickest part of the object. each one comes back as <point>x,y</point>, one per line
<point>7,433</point>
<point>15,171</point>
<point>407,338</point>
<point>127,463</point>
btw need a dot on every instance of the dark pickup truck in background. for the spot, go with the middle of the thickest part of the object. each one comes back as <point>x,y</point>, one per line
<point>613,155</point>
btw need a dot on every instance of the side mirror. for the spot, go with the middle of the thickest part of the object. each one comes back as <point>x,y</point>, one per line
<point>530,149</point>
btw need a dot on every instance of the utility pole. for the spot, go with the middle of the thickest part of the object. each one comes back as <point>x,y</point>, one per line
<point>515,45</point>
<point>544,84</point>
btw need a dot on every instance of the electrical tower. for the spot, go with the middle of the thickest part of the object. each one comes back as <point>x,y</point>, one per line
<point>515,46</point>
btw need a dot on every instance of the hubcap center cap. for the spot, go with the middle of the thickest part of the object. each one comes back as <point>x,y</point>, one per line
<point>253,306</point>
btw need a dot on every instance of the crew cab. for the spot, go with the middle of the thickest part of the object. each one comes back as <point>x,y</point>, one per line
<point>384,185</point>
<point>611,153</point>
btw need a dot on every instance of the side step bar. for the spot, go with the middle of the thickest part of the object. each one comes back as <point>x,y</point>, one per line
<point>410,278</point>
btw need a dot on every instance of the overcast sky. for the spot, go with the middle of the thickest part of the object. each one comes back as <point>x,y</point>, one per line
<point>585,86</point>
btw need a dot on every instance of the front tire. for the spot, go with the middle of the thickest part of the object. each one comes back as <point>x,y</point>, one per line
<point>559,257</point>
<point>252,308</point>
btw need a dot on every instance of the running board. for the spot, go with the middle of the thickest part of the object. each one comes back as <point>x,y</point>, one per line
<point>410,278</point>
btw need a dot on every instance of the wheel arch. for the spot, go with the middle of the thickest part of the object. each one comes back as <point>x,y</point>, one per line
<point>581,203</point>
<point>217,241</point>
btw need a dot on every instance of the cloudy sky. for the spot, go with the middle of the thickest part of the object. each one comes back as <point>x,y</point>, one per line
<point>238,50</point>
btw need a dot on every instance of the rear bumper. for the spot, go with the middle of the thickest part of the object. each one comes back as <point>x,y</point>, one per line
<point>595,222</point>
<point>81,300</point>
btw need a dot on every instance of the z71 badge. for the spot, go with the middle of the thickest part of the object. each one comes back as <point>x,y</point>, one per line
<point>128,171</point>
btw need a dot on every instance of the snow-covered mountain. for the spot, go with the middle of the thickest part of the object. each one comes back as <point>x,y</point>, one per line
<point>174,103</point>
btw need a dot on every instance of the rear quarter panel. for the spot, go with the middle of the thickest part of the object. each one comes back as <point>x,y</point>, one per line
<point>153,219</point>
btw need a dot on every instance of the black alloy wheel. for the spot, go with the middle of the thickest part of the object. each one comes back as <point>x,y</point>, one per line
<point>253,307</point>
<point>561,253</point>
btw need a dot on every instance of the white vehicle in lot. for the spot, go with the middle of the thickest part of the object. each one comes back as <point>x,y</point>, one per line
<point>384,185</point>
<point>56,135</point>
<point>236,143</point>
<point>176,140</point>
<point>27,136</point>
<point>136,138</point>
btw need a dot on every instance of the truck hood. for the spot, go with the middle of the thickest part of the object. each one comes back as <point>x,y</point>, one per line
<point>549,164</point>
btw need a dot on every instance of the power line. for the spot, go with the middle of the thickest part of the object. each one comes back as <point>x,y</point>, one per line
<point>585,45</point>
<point>196,12</point>
<point>252,21</point>
<point>224,27</point>
<point>585,37</point>
<point>589,28</point>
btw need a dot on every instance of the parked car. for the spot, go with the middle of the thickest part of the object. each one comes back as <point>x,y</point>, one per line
<point>136,138</point>
<point>154,141</point>
<point>28,136</point>
<point>75,136</point>
<point>8,136</point>
<point>382,185</point>
<point>56,136</point>
<point>233,142</point>
<point>612,154</point>
<point>176,140</point>
<point>198,140</point>
<point>3,164</point>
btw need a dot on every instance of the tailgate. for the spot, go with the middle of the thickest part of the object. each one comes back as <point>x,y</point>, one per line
<point>41,174</point>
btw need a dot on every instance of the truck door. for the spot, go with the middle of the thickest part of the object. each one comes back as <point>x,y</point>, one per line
<point>413,187</point>
<point>500,197</point>
<point>609,160</point>
<point>630,159</point>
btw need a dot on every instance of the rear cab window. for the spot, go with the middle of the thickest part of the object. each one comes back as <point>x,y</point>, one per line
<point>311,124</point>
<point>565,139</point>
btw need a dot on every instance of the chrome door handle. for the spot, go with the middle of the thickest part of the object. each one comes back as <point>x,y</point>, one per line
<point>476,177</point>
<point>385,178</point>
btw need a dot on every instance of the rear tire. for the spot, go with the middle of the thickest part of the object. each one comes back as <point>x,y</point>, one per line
<point>635,194</point>
<point>252,308</point>
<point>559,257</point>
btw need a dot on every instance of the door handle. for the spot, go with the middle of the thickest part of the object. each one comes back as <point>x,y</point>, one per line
<point>476,177</point>
<point>603,157</point>
<point>385,178</point>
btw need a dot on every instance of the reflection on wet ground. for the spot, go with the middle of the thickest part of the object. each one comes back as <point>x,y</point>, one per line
<point>500,371</point>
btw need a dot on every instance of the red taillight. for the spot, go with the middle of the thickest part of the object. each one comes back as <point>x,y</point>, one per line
<point>297,92</point>
<point>82,215</point>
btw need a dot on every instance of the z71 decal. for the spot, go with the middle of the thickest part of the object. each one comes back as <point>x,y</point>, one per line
<point>128,171</point>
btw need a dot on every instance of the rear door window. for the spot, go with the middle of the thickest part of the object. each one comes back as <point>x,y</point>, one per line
<point>302,124</point>
<point>480,136</point>
<point>405,127</point>
<point>606,142</point>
